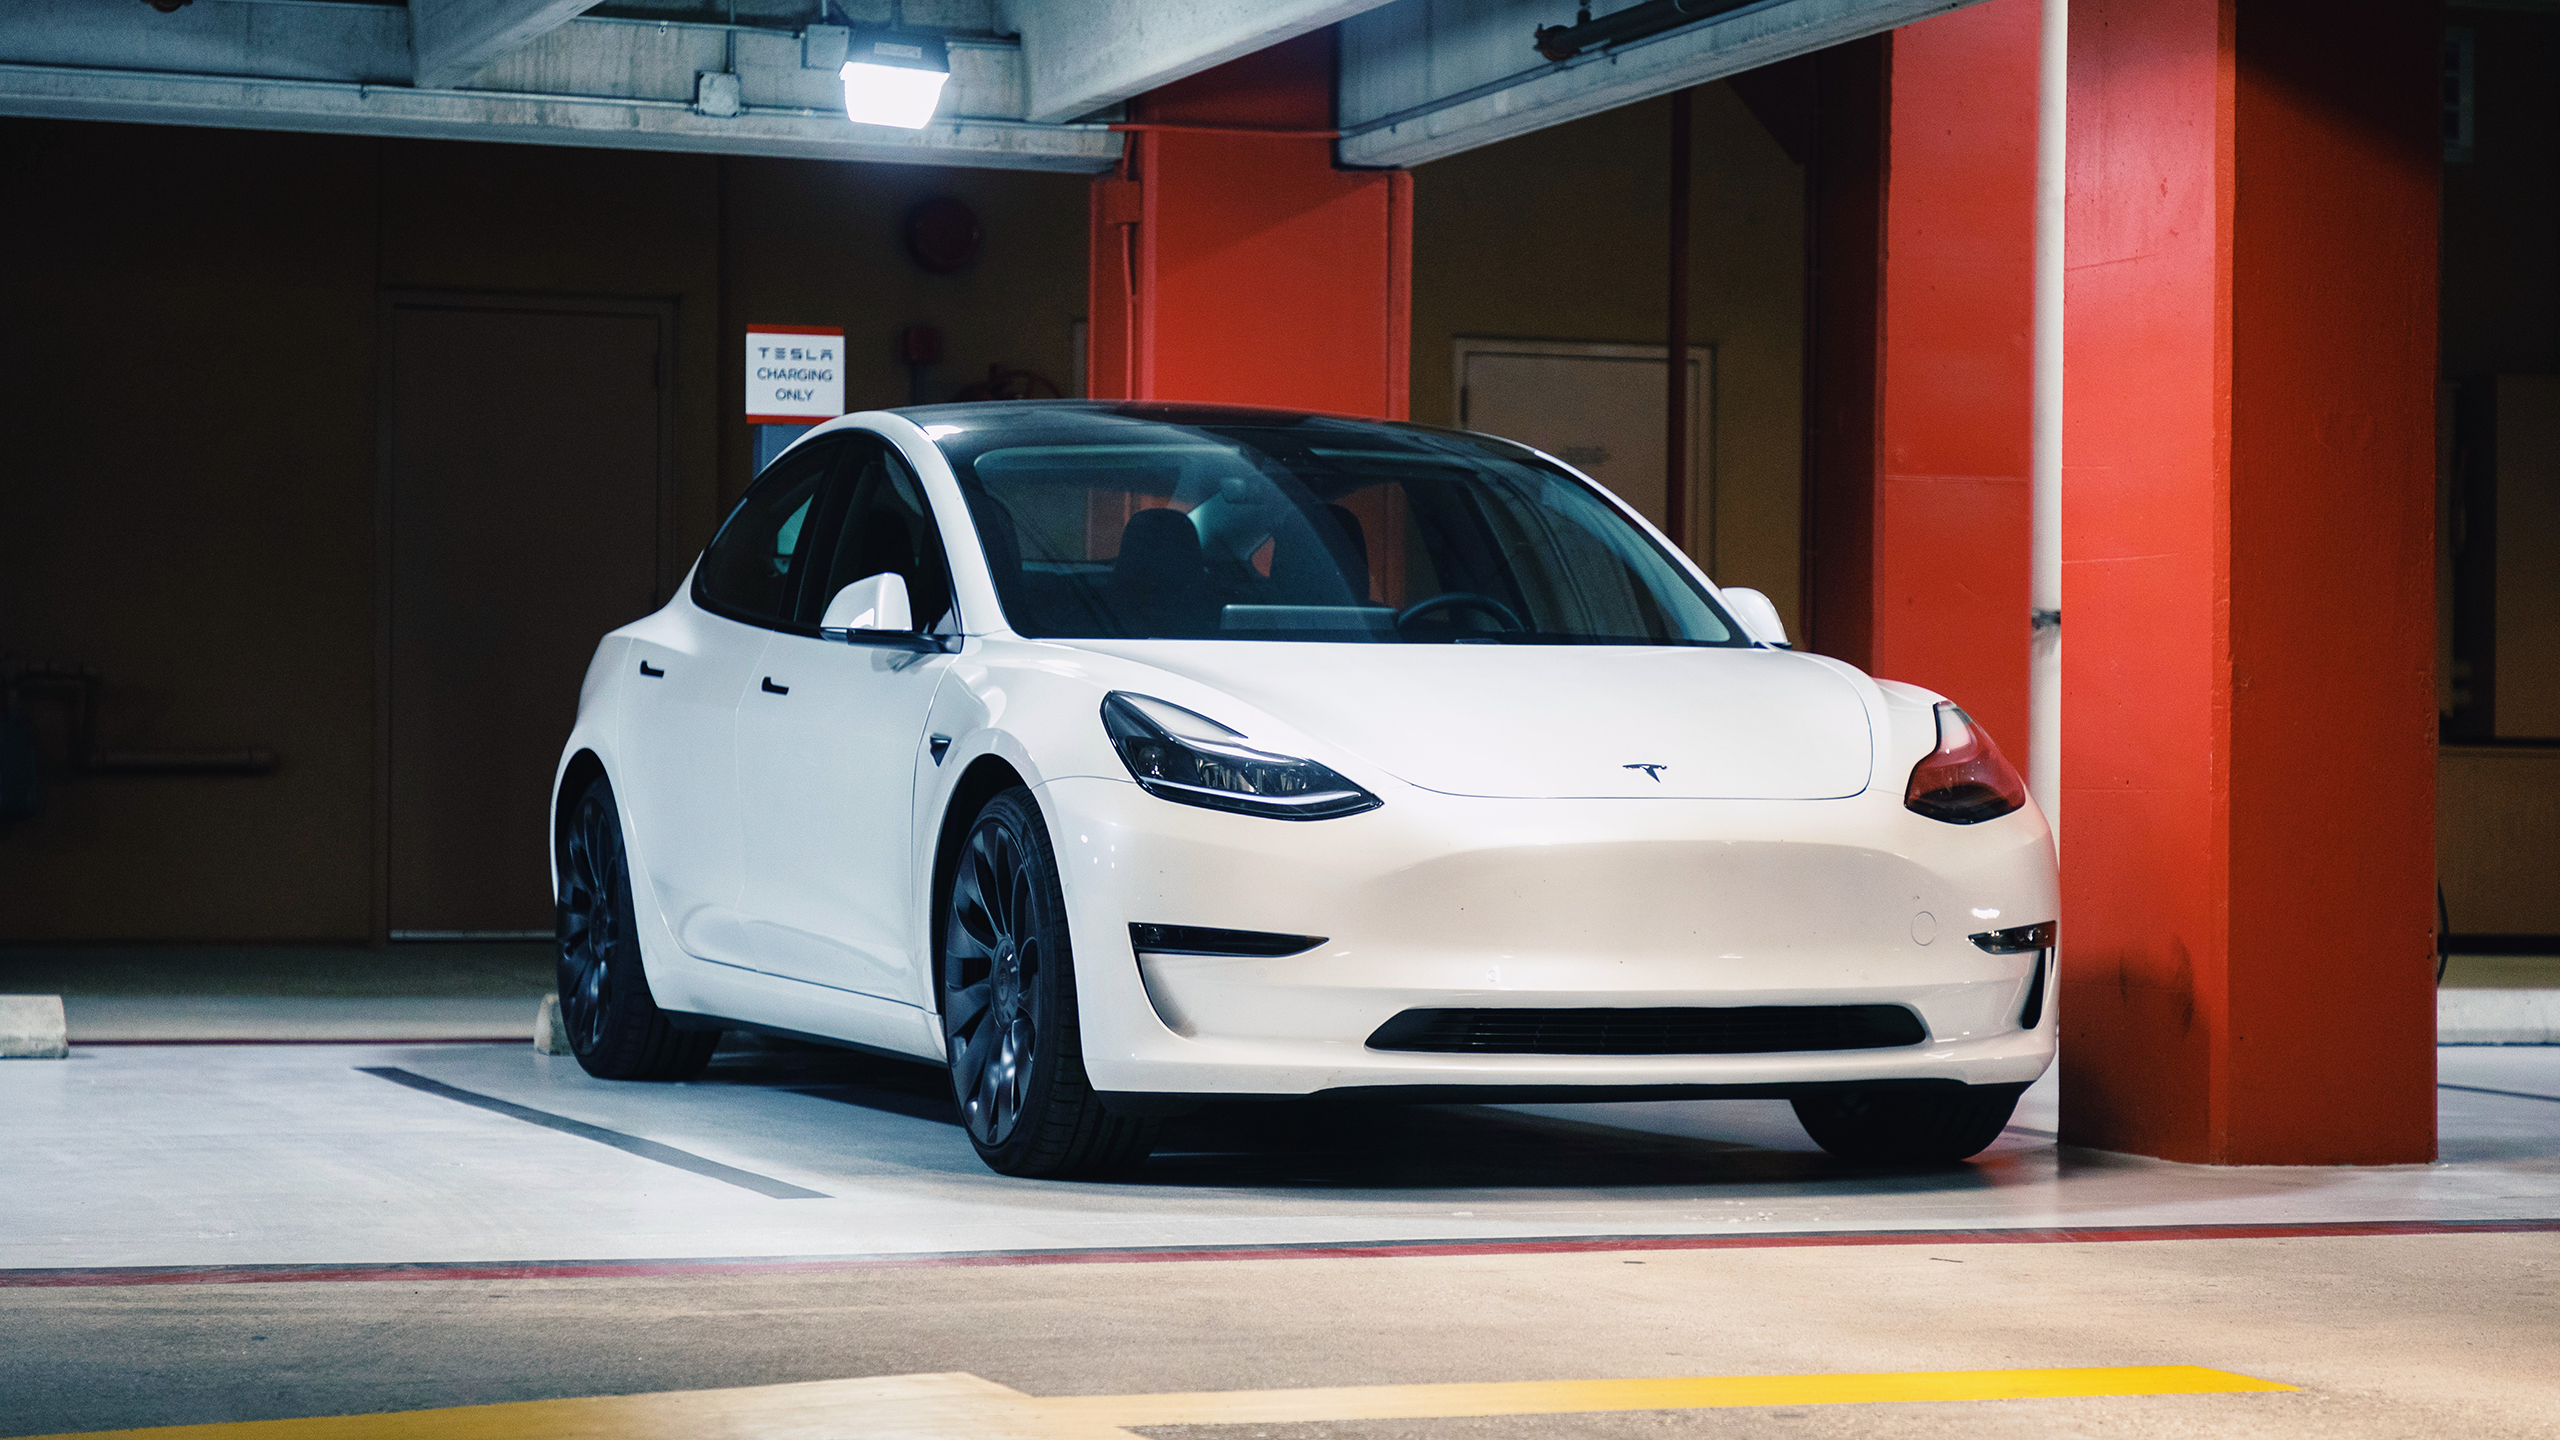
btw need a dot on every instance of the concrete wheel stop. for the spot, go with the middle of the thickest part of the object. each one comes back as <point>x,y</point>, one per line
<point>32,1028</point>
<point>549,1036</point>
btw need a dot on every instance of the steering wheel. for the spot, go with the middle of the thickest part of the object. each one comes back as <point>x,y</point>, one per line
<point>1462,600</point>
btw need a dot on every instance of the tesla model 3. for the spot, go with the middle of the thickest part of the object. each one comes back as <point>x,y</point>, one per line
<point>1123,757</point>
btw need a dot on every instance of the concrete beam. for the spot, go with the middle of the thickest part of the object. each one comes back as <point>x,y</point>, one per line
<point>539,119</point>
<point>449,40</point>
<point>1424,79</point>
<point>1085,54</point>
<point>363,44</point>
<point>602,82</point>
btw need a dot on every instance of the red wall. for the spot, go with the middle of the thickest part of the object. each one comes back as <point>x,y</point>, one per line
<point>1951,501</point>
<point>2248,713</point>
<point>1923,255</point>
<point>1247,268</point>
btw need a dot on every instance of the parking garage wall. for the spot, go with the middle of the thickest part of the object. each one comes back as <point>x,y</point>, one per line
<point>191,465</point>
<point>2498,636</point>
<point>1562,235</point>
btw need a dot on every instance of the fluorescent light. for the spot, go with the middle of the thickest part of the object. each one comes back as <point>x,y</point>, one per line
<point>894,78</point>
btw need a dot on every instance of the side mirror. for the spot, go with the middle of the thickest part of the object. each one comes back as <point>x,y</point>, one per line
<point>870,611</point>
<point>1758,614</point>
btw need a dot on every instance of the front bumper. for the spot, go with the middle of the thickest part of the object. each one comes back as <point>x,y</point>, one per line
<point>1438,901</point>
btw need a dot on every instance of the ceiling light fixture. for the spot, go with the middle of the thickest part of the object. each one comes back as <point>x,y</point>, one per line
<point>894,77</point>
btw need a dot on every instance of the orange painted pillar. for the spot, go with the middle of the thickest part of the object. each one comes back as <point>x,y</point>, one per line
<point>1924,226</point>
<point>1246,268</point>
<point>1957,307</point>
<point>2248,594</point>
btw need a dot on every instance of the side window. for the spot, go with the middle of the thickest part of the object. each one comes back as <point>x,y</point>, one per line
<point>886,528</point>
<point>753,565</point>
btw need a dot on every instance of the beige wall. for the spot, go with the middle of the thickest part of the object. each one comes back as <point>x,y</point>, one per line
<point>2498,838</point>
<point>187,441</point>
<point>1563,235</point>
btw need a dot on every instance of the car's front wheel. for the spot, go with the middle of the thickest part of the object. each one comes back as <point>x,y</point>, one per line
<point>1935,1126</point>
<point>615,1026</point>
<point>1009,1009</point>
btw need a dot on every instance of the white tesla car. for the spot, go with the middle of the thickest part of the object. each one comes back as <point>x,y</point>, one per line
<point>1124,757</point>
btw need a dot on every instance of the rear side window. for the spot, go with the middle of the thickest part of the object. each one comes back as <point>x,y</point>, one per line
<point>755,565</point>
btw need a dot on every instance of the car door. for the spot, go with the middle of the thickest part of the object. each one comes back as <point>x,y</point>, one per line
<point>829,741</point>
<point>694,663</point>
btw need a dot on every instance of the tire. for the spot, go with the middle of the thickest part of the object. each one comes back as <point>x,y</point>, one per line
<point>615,1026</point>
<point>1908,1127</point>
<point>1009,1009</point>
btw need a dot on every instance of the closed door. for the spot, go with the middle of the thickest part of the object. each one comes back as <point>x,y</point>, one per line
<point>829,742</point>
<point>524,456</point>
<point>1598,408</point>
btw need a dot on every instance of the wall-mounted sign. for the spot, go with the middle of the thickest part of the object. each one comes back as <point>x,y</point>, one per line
<point>795,374</point>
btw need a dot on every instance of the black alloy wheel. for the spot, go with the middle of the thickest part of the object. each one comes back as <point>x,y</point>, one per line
<point>615,1026</point>
<point>1009,1009</point>
<point>1936,1126</point>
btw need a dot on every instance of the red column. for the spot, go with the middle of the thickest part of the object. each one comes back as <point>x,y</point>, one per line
<point>1924,251</point>
<point>1246,268</point>
<point>1951,443</point>
<point>2248,714</point>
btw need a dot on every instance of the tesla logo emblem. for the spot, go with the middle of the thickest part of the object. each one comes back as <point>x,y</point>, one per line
<point>1654,772</point>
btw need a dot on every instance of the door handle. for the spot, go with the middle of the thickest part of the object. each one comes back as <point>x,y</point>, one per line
<point>652,671</point>
<point>772,689</point>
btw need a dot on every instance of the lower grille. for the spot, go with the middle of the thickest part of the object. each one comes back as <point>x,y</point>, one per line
<point>1739,1030</point>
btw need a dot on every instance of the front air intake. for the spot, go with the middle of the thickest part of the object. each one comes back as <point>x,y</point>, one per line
<point>1740,1030</point>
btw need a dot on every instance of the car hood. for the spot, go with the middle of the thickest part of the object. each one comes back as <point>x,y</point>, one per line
<point>1552,722</point>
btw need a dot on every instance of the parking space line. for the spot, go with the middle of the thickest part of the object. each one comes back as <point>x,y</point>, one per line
<point>2510,1094</point>
<point>629,1144</point>
<point>964,1407</point>
<point>480,1270</point>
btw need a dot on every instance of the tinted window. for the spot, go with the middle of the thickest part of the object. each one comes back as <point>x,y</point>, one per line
<point>879,524</point>
<point>752,569</point>
<point>1103,525</point>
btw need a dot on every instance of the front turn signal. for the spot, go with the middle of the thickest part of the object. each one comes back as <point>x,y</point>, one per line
<point>1966,780</point>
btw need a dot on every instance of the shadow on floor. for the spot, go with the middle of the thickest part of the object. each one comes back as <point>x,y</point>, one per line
<point>1338,1144</point>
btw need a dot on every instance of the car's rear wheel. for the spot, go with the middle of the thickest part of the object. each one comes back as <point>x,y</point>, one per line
<point>615,1026</point>
<point>1009,1009</point>
<point>1935,1126</point>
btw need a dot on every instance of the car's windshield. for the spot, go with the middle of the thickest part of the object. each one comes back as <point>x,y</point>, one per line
<point>1103,524</point>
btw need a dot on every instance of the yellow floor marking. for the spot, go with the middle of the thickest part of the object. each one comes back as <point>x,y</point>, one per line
<point>1561,1397</point>
<point>964,1407</point>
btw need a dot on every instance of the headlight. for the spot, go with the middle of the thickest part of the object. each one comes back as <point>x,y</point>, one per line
<point>1191,759</point>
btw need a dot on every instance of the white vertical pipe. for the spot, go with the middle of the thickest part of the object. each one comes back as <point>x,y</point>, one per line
<point>2044,562</point>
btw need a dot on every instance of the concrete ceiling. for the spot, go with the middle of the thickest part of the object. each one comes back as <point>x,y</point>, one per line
<point>1423,79</point>
<point>1032,80</point>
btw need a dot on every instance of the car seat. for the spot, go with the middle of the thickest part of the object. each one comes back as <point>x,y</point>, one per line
<point>1160,584</point>
<point>1322,561</point>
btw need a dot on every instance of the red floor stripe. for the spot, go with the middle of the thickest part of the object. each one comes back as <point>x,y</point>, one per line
<point>1383,1250</point>
<point>78,1044</point>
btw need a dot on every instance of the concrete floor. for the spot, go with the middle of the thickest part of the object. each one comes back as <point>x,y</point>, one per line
<point>463,1240</point>
<point>487,991</point>
<point>2410,1336</point>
